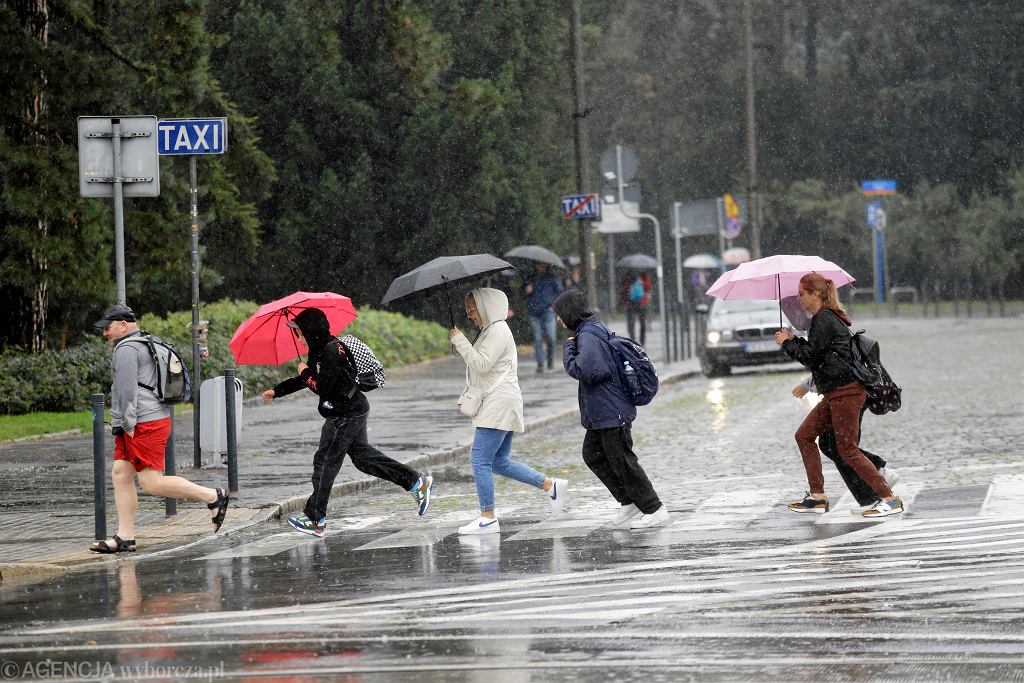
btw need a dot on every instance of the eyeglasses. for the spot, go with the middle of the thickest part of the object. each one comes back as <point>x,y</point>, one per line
<point>469,310</point>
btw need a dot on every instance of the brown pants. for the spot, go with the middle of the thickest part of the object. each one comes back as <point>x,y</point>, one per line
<point>839,409</point>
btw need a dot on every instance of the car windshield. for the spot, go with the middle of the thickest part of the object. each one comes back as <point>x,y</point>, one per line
<point>723,307</point>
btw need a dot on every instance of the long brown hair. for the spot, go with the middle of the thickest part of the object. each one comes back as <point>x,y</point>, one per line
<point>826,289</point>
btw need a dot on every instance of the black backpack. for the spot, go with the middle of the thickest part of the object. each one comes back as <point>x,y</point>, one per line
<point>173,383</point>
<point>884,395</point>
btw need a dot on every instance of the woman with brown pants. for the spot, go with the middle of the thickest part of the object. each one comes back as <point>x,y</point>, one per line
<point>826,352</point>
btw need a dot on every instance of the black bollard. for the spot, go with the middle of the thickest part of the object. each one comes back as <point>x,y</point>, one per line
<point>99,467</point>
<point>170,504</point>
<point>229,416</point>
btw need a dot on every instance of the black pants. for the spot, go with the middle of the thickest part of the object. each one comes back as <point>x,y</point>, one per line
<point>863,493</point>
<point>341,435</point>
<point>609,455</point>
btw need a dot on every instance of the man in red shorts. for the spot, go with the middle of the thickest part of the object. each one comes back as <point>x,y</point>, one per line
<point>141,425</point>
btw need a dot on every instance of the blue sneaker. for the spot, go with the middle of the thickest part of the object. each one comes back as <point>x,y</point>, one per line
<point>421,493</point>
<point>307,526</point>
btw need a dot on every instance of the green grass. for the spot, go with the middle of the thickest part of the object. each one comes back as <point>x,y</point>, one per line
<point>35,424</point>
<point>30,424</point>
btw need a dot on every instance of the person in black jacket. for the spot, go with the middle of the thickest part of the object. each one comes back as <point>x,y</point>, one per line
<point>607,414</point>
<point>331,375</point>
<point>826,352</point>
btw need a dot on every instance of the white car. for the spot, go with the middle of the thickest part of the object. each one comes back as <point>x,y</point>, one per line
<point>741,333</point>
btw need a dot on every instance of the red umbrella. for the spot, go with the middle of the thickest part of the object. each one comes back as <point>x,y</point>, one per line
<point>265,339</point>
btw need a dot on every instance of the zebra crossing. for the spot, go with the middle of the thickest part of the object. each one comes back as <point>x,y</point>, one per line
<point>938,589</point>
<point>927,591</point>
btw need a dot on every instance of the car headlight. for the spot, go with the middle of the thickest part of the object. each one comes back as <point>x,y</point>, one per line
<point>714,336</point>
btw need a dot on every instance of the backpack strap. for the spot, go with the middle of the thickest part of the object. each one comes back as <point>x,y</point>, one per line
<point>147,339</point>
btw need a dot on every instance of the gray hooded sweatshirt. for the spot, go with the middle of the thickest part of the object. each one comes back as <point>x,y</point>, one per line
<point>131,404</point>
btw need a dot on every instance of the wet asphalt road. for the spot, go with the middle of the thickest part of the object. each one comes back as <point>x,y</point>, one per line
<point>736,588</point>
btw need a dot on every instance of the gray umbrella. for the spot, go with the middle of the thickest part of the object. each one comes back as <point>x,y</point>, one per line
<point>534,252</point>
<point>638,261</point>
<point>442,272</point>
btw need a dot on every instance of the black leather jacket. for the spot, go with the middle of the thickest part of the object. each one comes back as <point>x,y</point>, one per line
<point>825,352</point>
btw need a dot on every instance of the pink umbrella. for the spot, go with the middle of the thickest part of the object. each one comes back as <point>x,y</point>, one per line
<point>265,338</point>
<point>774,277</point>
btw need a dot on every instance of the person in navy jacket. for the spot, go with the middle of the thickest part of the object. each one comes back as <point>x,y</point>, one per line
<point>541,289</point>
<point>607,414</point>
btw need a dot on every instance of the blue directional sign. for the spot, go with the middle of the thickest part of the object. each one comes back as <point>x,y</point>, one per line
<point>192,136</point>
<point>878,186</point>
<point>580,206</point>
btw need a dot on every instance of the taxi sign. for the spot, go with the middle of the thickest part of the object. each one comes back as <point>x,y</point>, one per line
<point>192,136</point>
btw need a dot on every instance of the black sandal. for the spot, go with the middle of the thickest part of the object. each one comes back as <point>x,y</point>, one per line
<point>121,546</point>
<point>221,506</point>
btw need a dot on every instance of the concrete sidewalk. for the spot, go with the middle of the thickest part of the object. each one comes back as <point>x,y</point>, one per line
<point>48,523</point>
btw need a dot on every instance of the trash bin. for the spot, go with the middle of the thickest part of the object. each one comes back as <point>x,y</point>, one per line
<point>213,432</point>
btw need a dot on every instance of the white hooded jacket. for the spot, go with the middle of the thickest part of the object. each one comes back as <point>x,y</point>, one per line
<point>493,353</point>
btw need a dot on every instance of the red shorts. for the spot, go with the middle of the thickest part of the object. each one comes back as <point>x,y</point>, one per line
<point>146,448</point>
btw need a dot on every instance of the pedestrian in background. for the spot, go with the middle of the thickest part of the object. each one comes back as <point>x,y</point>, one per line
<point>859,488</point>
<point>331,374</point>
<point>141,425</point>
<point>492,377</point>
<point>635,297</point>
<point>826,352</point>
<point>607,414</point>
<point>541,288</point>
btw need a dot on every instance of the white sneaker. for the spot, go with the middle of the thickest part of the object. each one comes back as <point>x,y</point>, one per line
<point>884,509</point>
<point>481,525</point>
<point>626,514</point>
<point>656,518</point>
<point>557,495</point>
<point>891,475</point>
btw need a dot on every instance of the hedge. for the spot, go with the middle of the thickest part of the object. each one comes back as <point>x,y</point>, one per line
<point>64,380</point>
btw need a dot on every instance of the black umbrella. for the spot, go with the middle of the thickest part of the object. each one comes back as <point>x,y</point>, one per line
<point>638,261</point>
<point>534,252</point>
<point>444,271</point>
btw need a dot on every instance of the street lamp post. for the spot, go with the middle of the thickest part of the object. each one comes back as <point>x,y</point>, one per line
<point>657,254</point>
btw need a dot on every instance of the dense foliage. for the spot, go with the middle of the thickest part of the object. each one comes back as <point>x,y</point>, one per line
<point>64,380</point>
<point>368,136</point>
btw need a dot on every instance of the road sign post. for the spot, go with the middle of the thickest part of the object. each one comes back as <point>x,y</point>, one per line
<point>876,219</point>
<point>657,248</point>
<point>193,137</point>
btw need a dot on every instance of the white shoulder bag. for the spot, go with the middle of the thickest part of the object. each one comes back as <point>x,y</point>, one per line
<point>472,398</point>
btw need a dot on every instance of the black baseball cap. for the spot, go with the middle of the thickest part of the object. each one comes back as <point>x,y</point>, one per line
<point>115,312</point>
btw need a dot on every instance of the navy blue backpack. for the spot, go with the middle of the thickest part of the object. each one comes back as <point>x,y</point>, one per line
<point>642,383</point>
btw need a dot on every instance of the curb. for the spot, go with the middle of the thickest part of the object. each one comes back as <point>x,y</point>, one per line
<point>39,437</point>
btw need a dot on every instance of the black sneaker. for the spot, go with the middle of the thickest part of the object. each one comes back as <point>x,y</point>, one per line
<point>809,504</point>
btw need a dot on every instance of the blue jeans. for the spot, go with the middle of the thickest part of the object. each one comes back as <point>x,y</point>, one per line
<point>543,328</point>
<point>491,448</point>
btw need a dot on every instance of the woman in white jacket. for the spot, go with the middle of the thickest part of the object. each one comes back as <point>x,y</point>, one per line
<point>493,364</point>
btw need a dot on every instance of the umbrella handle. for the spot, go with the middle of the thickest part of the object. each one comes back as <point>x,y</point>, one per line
<point>294,342</point>
<point>448,296</point>
<point>778,289</point>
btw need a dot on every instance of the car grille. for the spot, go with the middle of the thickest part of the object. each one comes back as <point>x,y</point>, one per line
<point>756,333</point>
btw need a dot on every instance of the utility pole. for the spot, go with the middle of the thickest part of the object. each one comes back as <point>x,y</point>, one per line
<point>582,145</point>
<point>753,201</point>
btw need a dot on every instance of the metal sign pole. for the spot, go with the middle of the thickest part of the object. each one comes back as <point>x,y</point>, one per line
<point>197,453</point>
<point>115,129</point>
